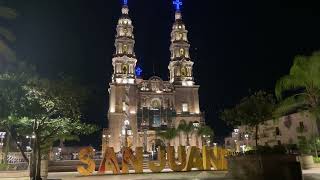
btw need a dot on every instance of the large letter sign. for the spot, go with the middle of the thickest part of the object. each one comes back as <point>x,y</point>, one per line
<point>172,160</point>
<point>207,159</point>
<point>85,157</point>
<point>155,166</point>
<point>136,161</point>
<point>109,162</point>
<point>194,159</point>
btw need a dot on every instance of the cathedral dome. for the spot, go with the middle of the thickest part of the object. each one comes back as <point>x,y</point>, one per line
<point>155,78</point>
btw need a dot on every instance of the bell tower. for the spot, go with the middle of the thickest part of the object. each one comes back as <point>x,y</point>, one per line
<point>181,65</point>
<point>122,128</point>
<point>124,60</point>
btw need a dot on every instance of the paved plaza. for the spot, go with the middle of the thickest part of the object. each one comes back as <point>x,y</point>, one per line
<point>313,174</point>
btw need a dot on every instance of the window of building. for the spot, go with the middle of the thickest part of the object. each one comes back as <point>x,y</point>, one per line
<point>185,107</point>
<point>301,125</point>
<point>181,52</point>
<point>124,106</point>
<point>125,48</point>
<point>180,36</point>
<point>279,142</point>
<point>125,69</point>
<point>277,131</point>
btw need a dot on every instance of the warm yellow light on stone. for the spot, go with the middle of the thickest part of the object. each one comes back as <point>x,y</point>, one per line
<point>158,166</point>
<point>194,159</point>
<point>135,160</point>
<point>172,160</point>
<point>85,157</point>
<point>220,160</point>
<point>208,158</point>
<point>109,162</point>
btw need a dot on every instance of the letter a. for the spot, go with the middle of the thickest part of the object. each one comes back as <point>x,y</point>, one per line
<point>136,161</point>
<point>208,158</point>
<point>158,166</point>
<point>109,162</point>
<point>194,159</point>
<point>85,157</point>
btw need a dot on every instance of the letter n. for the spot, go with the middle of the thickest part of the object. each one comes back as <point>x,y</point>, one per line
<point>136,161</point>
<point>194,159</point>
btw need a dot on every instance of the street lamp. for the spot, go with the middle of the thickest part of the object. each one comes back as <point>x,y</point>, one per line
<point>2,136</point>
<point>126,131</point>
<point>30,139</point>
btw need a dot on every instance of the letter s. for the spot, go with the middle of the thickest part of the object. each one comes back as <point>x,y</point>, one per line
<point>85,155</point>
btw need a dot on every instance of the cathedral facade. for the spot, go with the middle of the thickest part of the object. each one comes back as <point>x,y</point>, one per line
<point>140,108</point>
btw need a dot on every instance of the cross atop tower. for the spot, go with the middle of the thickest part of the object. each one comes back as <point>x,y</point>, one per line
<point>125,2</point>
<point>177,4</point>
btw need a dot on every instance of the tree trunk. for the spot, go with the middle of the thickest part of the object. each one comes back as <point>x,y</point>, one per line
<point>14,137</point>
<point>197,141</point>
<point>256,134</point>
<point>33,167</point>
<point>38,176</point>
<point>188,143</point>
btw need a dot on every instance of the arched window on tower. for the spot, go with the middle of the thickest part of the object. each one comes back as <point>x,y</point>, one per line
<point>180,36</point>
<point>183,71</point>
<point>125,69</point>
<point>125,31</point>
<point>125,49</point>
<point>182,52</point>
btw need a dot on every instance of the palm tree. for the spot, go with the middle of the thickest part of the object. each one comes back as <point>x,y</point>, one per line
<point>303,86</point>
<point>6,36</point>
<point>187,129</point>
<point>168,134</point>
<point>205,132</point>
<point>303,83</point>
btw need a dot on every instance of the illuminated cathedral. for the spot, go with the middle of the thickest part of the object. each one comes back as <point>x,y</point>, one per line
<point>139,108</point>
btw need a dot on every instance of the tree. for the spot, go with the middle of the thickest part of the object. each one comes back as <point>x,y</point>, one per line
<point>45,108</point>
<point>168,134</point>
<point>300,89</point>
<point>251,111</point>
<point>11,93</point>
<point>187,129</point>
<point>205,132</point>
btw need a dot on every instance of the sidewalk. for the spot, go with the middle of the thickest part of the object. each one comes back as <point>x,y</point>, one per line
<point>312,174</point>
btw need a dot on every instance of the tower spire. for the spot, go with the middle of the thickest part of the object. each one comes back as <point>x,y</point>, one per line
<point>125,2</point>
<point>181,65</point>
<point>124,60</point>
<point>177,4</point>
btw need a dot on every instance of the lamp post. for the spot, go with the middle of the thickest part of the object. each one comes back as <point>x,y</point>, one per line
<point>126,131</point>
<point>247,138</point>
<point>29,147</point>
<point>2,136</point>
<point>196,126</point>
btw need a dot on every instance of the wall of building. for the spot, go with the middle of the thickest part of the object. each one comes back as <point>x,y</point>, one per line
<point>285,130</point>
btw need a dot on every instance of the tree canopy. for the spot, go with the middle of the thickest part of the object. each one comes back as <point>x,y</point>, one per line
<point>300,89</point>
<point>251,111</point>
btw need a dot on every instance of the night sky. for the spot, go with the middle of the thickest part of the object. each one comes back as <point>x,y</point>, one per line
<point>236,45</point>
